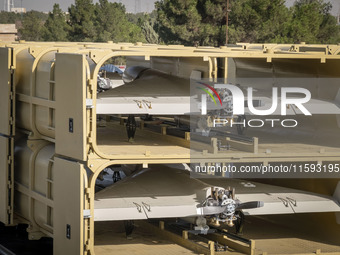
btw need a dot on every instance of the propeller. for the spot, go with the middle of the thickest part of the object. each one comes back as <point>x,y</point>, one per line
<point>249,205</point>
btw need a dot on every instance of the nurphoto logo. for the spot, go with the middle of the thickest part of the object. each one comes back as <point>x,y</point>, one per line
<point>234,101</point>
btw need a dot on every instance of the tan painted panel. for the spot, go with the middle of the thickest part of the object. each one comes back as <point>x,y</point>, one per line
<point>68,208</point>
<point>181,67</point>
<point>8,28</point>
<point>6,109</point>
<point>71,108</point>
<point>176,66</point>
<point>6,181</point>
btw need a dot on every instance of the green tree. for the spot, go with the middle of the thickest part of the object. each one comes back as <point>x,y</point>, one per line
<point>82,17</point>
<point>213,15</point>
<point>32,26</point>
<point>9,17</point>
<point>179,21</point>
<point>151,36</point>
<point>148,23</point>
<point>259,21</point>
<point>276,23</point>
<point>112,24</point>
<point>56,28</point>
<point>203,22</point>
<point>136,18</point>
<point>313,23</point>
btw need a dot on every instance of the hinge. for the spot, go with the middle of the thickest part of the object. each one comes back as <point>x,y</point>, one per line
<point>86,247</point>
<point>91,85</point>
<point>88,192</point>
<point>89,140</point>
<point>9,159</point>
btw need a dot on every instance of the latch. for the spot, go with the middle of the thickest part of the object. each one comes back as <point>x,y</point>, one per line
<point>87,213</point>
<point>9,160</point>
<point>70,125</point>
<point>89,103</point>
<point>68,231</point>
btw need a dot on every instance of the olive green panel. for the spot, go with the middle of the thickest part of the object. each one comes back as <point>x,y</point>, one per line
<point>6,180</point>
<point>70,105</point>
<point>286,68</point>
<point>6,95</point>
<point>68,208</point>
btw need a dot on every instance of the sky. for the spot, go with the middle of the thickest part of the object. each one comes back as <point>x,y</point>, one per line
<point>47,5</point>
<point>131,5</point>
<point>336,5</point>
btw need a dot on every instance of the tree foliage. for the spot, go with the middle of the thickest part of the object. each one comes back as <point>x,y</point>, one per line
<point>259,21</point>
<point>112,24</point>
<point>148,29</point>
<point>180,22</point>
<point>149,25</point>
<point>9,17</point>
<point>203,22</point>
<point>188,22</point>
<point>55,27</point>
<point>313,23</point>
<point>213,15</point>
<point>32,26</point>
<point>82,17</point>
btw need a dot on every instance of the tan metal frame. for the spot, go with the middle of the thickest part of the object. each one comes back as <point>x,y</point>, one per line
<point>79,64</point>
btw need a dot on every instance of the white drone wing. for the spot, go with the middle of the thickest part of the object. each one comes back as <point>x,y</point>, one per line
<point>164,192</point>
